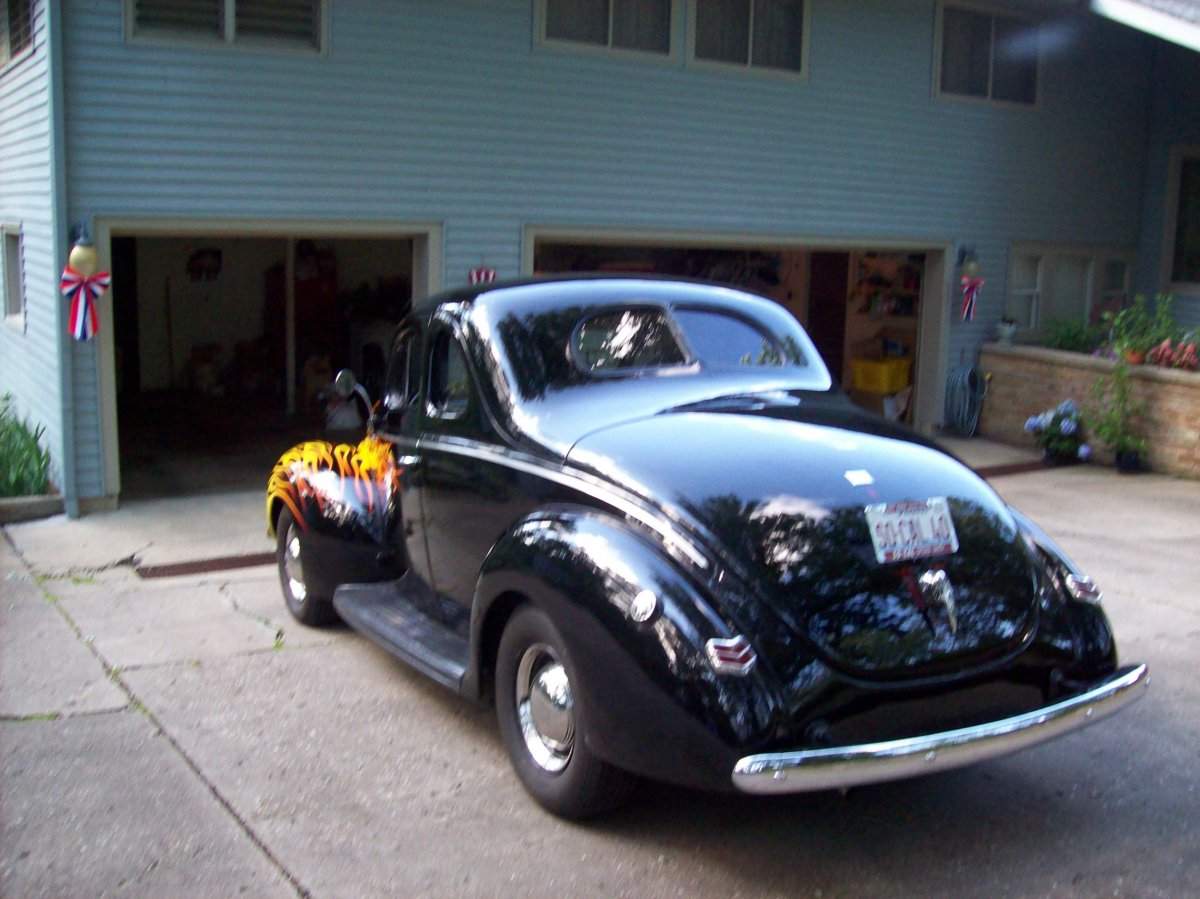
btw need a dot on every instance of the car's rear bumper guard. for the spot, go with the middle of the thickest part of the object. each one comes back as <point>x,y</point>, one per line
<point>850,766</point>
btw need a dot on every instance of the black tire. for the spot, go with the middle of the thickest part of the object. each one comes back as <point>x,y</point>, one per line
<point>545,736</point>
<point>307,608</point>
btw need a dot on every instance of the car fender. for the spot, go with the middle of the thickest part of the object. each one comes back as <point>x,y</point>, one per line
<point>343,498</point>
<point>652,700</point>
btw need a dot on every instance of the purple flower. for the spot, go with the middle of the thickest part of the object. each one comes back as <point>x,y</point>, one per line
<point>1067,426</point>
<point>1033,423</point>
<point>1085,452</point>
<point>1067,407</point>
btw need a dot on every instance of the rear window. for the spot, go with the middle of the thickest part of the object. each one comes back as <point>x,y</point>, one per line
<point>627,339</point>
<point>725,341</point>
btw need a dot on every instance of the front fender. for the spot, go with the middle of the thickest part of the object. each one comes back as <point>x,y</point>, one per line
<point>652,701</point>
<point>343,497</point>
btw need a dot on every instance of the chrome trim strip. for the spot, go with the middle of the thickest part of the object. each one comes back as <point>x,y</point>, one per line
<point>852,766</point>
<point>670,535</point>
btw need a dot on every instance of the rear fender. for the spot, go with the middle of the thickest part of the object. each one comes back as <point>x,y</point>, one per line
<point>653,702</point>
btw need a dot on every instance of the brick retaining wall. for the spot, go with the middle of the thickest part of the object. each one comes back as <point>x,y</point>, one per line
<point>1027,380</point>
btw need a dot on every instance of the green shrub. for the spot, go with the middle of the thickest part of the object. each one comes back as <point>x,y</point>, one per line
<point>1072,334</point>
<point>24,465</point>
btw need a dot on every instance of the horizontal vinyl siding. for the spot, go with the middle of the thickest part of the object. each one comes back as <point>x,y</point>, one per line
<point>446,112</point>
<point>29,360</point>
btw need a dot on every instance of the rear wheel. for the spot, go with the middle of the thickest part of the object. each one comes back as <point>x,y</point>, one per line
<point>541,725</point>
<point>305,607</point>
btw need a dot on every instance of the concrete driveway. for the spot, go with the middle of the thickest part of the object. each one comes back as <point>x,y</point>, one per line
<point>181,736</point>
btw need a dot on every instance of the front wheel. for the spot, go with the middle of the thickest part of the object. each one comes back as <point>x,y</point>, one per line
<point>305,607</point>
<point>541,726</point>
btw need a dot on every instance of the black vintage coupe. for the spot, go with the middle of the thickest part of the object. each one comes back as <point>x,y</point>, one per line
<point>638,515</point>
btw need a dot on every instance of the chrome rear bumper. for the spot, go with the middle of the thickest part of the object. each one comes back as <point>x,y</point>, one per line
<point>850,766</point>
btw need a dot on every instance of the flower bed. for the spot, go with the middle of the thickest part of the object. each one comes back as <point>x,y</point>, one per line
<point>1025,381</point>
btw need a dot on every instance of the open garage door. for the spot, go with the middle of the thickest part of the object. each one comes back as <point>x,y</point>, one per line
<point>862,306</point>
<point>225,347</point>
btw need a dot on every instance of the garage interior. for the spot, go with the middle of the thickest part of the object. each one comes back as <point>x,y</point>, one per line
<point>211,383</point>
<point>860,306</point>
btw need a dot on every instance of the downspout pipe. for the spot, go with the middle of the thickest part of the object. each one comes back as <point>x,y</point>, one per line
<point>60,237</point>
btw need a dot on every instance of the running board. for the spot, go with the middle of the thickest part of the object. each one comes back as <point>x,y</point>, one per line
<point>383,613</point>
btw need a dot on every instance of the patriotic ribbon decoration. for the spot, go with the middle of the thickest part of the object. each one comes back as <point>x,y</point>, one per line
<point>970,291</point>
<point>83,290</point>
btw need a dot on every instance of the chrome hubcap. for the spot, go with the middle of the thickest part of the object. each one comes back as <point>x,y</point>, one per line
<point>545,708</point>
<point>293,567</point>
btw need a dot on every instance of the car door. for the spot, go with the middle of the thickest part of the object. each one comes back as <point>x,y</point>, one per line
<point>398,420</point>
<point>465,489</point>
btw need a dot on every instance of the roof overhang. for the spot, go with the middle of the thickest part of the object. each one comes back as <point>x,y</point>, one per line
<point>1177,21</point>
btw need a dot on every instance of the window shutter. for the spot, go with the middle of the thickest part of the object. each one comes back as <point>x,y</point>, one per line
<point>296,21</point>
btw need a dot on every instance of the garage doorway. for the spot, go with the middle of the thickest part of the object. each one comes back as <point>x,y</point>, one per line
<point>861,305</point>
<point>224,347</point>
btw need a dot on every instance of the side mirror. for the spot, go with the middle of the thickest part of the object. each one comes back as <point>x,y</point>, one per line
<point>344,383</point>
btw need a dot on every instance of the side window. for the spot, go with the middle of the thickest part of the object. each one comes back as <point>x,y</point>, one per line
<point>449,380</point>
<point>404,372</point>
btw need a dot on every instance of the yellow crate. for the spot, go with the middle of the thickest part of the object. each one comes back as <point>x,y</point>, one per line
<point>880,375</point>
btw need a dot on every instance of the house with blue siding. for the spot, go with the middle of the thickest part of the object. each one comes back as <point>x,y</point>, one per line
<point>272,182</point>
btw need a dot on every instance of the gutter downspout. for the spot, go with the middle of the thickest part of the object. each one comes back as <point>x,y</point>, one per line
<point>59,235</point>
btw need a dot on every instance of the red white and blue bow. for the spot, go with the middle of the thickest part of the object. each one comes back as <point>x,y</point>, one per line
<point>83,290</point>
<point>970,291</point>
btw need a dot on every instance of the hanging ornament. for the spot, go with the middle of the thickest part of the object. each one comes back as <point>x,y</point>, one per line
<point>970,291</point>
<point>84,285</point>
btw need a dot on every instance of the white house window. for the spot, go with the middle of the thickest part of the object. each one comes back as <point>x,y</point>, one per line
<point>1185,252</point>
<point>12,282</point>
<point>987,55</point>
<point>290,23</point>
<point>16,29</point>
<point>637,25</point>
<point>767,34</point>
<point>1064,283</point>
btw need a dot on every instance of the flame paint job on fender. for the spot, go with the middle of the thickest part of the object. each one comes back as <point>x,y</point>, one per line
<point>320,480</point>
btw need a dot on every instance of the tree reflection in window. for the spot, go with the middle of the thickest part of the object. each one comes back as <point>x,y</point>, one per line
<point>629,339</point>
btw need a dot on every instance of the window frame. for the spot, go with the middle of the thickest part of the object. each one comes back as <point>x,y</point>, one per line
<point>8,56</point>
<point>438,408</point>
<point>993,12</point>
<point>1178,157</point>
<point>750,68</point>
<point>1097,293</point>
<point>229,38</point>
<point>673,54</point>
<point>12,277</point>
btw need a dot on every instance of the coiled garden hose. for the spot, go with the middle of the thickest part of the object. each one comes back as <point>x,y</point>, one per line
<point>965,390</point>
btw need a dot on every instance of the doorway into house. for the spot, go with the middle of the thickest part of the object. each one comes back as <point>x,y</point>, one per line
<point>220,367</point>
<point>861,306</point>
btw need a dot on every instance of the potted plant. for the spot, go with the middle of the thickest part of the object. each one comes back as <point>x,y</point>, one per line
<point>1006,330</point>
<point>1113,416</point>
<point>1134,329</point>
<point>1059,432</point>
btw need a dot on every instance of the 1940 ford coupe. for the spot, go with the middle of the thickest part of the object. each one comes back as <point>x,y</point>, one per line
<point>638,516</point>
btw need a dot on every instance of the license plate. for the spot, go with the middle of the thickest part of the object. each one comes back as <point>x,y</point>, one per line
<point>911,530</point>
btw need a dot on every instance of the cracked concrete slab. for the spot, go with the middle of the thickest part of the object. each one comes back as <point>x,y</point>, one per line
<point>153,625</point>
<point>33,630</point>
<point>102,804</point>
